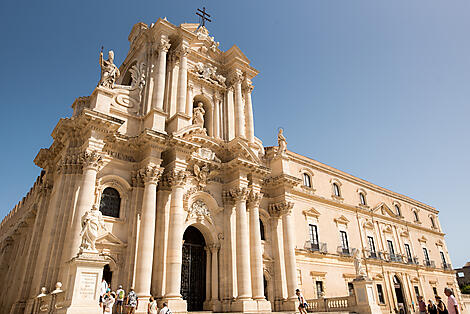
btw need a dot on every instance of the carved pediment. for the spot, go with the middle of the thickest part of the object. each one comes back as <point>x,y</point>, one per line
<point>240,149</point>
<point>422,239</point>
<point>387,229</point>
<point>404,233</point>
<point>109,240</point>
<point>439,243</point>
<point>312,212</point>
<point>342,220</point>
<point>368,224</point>
<point>384,210</point>
<point>378,277</point>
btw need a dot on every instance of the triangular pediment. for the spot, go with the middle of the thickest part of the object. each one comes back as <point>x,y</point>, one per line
<point>109,239</point>
<point>240,149</point>
<point>368,225</point>
<point>235,52</point>
<point>342,220</point>
<point>383,209</point>
<point>312,212</point>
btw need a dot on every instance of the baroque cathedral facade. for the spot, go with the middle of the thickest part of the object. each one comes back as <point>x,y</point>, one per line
<point>158,181</point>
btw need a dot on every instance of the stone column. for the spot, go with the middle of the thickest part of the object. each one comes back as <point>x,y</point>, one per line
<point>216,122</point>
<point>208,275</point>
<point>243,244</point>
<point>161,235</point>
<point>250,131</point>
<point>144,263</point>
<point>92,162</point>
<point>257,283</point>
<point>176,180</point>
<point>189,101</point>
<point>182,79</point>
<point>289,250</point>
<point>239,114</point>
<point>159,90</point>
<point>215,274</point>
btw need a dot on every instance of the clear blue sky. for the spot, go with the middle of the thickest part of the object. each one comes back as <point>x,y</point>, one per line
<point>379,89</point>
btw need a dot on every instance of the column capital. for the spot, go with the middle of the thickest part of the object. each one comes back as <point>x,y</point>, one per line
<point>150,174</point>
<point>239,194</point>
<point>213,248</point>
<point>183,50</point>
<point>163,45</point>
<point>175,178</point>
<point>254,199</point>
<point>91,160</point>
<point>236,77</point>
<point>280,209</point>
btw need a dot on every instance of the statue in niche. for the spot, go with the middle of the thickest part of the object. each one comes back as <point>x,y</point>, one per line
<point>198,115</point>
<point>109,71</point>
<point>359,267</point>
<point>282,142</point>
<point>92,221</point>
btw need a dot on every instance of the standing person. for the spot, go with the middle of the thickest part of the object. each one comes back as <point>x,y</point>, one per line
<point>165,309</point>
<point>108,302</point>
<point>152,306</point>
<point>120,294</point>
<point>441,307</point>
<point>132,301</point>
<point>302,302</point>
<point>432,309</point>
<point>452,305</point>
<point>103,290</point>
<point>421,305</point>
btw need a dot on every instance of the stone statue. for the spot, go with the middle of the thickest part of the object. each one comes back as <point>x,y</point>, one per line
<point>360,269</point>
<point>198,115</point>
<point>92,221</point>
<point>281,141</point>
<point>109,71</point>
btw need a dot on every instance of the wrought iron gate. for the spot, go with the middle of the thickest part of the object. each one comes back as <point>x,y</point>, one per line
<point>193,276</point>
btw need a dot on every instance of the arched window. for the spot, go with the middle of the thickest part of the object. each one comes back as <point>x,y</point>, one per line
<point>307,180</point>
<point>362,198</point>
<point>397,210</point>
<point>261,229</point>
<point>110,203</point>
<point>433,224</point>
<point>336,190</point>
<point>416,215</point>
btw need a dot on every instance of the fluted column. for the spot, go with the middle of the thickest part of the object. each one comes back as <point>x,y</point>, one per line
<point>239,114</point>
<point>243,244</point>
<point>159,90</point>
<point>208,273</point>
<point>216,128</point>
<point>182,79</point>
<point>250,131</point>
<point>257,283</point>
<point>215,272</point>
<point>92,162</point>
<point>177,180</point>
<point>143,271</point>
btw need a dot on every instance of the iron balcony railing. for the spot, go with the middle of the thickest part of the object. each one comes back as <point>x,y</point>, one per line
<point>412,260</point>
<point>316,247</point>
<point>446,266</point>
<point>429,263</point>
<point>374,255</point>
<point>345,251</point>
<point>394,258</point>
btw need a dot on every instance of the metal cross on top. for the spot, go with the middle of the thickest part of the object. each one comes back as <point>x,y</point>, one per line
<point>203,15</point>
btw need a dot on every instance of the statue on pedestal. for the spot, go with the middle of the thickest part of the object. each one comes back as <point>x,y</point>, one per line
<point>360,269</point>
<point>109,71</point>
<point>282,143</point>
<point>198,115</point>
<point>92,221</point>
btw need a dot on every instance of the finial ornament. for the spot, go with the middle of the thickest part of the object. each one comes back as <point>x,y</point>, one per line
<point>109,71</point>
<point>92,222</point>
<point>204,16</point>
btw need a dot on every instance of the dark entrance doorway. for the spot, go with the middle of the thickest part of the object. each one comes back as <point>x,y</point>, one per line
<point>399,294</point>
<point>107,274</point>
<point>193,269</point>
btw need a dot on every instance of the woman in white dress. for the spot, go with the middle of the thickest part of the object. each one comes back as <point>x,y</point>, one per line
<point>152,307</point>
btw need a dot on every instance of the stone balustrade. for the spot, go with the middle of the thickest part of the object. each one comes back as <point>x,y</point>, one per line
<point>332,304</point>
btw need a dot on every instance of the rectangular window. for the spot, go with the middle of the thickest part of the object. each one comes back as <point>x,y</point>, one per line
<point>426,255</point>
<point>417,292</point>
<point>319,286</point>
<point>350,288</point>
<point>390,248</point>
<point>380,294</point>
<point>373,253</point>
<point>313,229</point>
<point>408,252</point>
<point>434,289</point>
<point>344,242</point>
<point>443,259</point>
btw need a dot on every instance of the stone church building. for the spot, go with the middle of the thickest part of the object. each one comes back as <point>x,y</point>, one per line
<point>157,182</point>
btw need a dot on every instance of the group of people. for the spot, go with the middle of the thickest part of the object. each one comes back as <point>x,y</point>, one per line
<point>439,307</point>
<point>120,303</point>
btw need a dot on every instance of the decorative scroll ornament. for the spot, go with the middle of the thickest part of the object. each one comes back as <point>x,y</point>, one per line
<point>150,173</point>
<point>109,71</point>
<point>279,209</point>
<point>209,73</point>
<point>206,154</point>
<point>199,211</point>
<point>130,96</point>
<point>254,199</point>
<point>92,222</point>
<point>204,173</point>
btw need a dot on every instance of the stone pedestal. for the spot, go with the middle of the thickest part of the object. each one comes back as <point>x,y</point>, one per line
<point>365,299</point>
<point>291,305</point>
<point>178,121</point>
<point>86,271</point>
<point>155,120</point>
<point>264,306</point>
<point>245,306</point>
<point>176,305</point>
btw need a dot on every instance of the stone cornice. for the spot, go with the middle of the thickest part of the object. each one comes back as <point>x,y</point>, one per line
<point>283,180</point>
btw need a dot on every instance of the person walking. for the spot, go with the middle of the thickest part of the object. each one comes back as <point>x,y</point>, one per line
<point>108,302</point>
<point>302,302</point>
<point>152,306</point>
<point>452,305</point>
<point>103,290</point>
<point>432,309</point>
<point>165,309</point>
<point>421,305</point>
<point>441,307</point>
<point>120,294</point>
<point>132,301</point>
